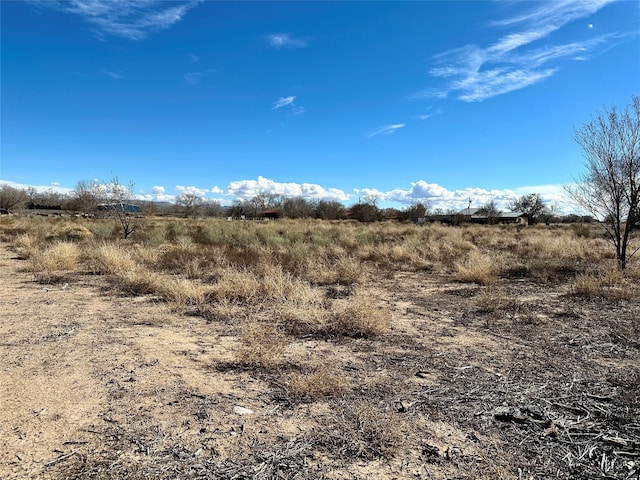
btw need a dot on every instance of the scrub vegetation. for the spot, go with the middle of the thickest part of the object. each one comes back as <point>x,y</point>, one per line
<point>381,350</point>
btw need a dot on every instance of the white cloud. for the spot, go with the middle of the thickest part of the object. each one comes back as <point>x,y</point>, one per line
<point>133,19</point>
<point>289,102</point>
<point>425,116</point>
<point>245,189</point>
<point>514,60</point>
<point>386,130</point>
<point>191,190</point>
<point>280,40</point>
<point>439,197</point>
<point>193,78</point>
<point>284,101</point>
<point>114,75</point>
<point>436,196</point>
<point>52,187</point>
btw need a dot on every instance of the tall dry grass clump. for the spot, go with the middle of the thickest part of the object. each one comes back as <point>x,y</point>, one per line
<point>52,263</point>
<point>261,345</point>
<point>25,245</point>
<point>182,292</point>
<point>111,258</point>
<point>71,232</point>
<point>359,316</point>
<point>477,268</point>
<point>310,386</point>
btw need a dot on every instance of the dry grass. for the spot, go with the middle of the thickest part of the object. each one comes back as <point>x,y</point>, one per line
<point>51,264</point>
<point>111,258</point>
<point>182,292</point>
<point>262,345</point>
<point>610,284</point>
<point>316,384</point>
<point>363,429</point>
<point>71,232</point>
<point>329,323</point>
<point>477,268</point>
<point>359,316</point>
<point>25,245</point>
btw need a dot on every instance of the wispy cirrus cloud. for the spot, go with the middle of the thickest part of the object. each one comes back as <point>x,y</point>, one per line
<point>289,102</point>
<point>516,59</point>
<point>132,19</point>
<point>430,113</point>
<point>386,130</point>
<point>114,74</point>
<point>193,78</point>
<point>284,101</point>
<point>284,40</point>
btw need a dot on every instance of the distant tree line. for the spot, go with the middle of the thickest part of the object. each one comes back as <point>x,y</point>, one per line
<point>89,195</point>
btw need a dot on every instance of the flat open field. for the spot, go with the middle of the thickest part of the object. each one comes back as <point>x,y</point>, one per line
<point>310,350</point>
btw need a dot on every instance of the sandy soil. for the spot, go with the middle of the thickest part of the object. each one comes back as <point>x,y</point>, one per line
<point>96,385</point>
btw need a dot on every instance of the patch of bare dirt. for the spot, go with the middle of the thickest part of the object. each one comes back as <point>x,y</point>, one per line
<point>517,380</point>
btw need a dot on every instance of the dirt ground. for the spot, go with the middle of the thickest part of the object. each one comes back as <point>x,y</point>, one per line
<point>517,380</point>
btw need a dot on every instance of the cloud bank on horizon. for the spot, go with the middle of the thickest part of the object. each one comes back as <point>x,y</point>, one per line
<point>431,194</point>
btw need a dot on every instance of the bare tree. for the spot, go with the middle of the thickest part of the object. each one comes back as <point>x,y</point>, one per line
<point>297,207</point>
<point>11,198</point>
<point>491,210</point>
<point>119,198</point>
<point>609,189</point>
<point>190,204</point>
<point>86,196</point>
<point>414,212</point>
<point>531,205</point>
<point>212,208</point>
<point>330,210</point>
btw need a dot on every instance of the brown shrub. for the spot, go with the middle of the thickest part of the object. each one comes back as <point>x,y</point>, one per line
<point>364,430</point>
<point>359,316</point>
<point>261,345</point>
<point>316,384</point>
<point>50,264</point>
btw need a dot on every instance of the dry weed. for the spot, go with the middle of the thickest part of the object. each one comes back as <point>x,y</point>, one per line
<point>611,285</point>
<point>71,233</point>
<point>111,258</point>
<point>139,281</point>
<point>477,268</point>
<point>316,384</point>
<point>363,430</point>
<point>50,264</point>
<point>181,292</point>
<point>261,345</point>
<point>25,245</point>
<point>359,316</point>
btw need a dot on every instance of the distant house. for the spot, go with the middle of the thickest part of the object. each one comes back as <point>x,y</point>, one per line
<point>271,214</point>
<point>480,215</point>
<point>119,207</point>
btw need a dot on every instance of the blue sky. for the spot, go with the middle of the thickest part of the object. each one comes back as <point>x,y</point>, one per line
<point>405,101</point>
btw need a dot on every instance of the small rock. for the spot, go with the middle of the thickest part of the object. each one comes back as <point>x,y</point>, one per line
<point>508,414</point>
<point>242,411</point>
